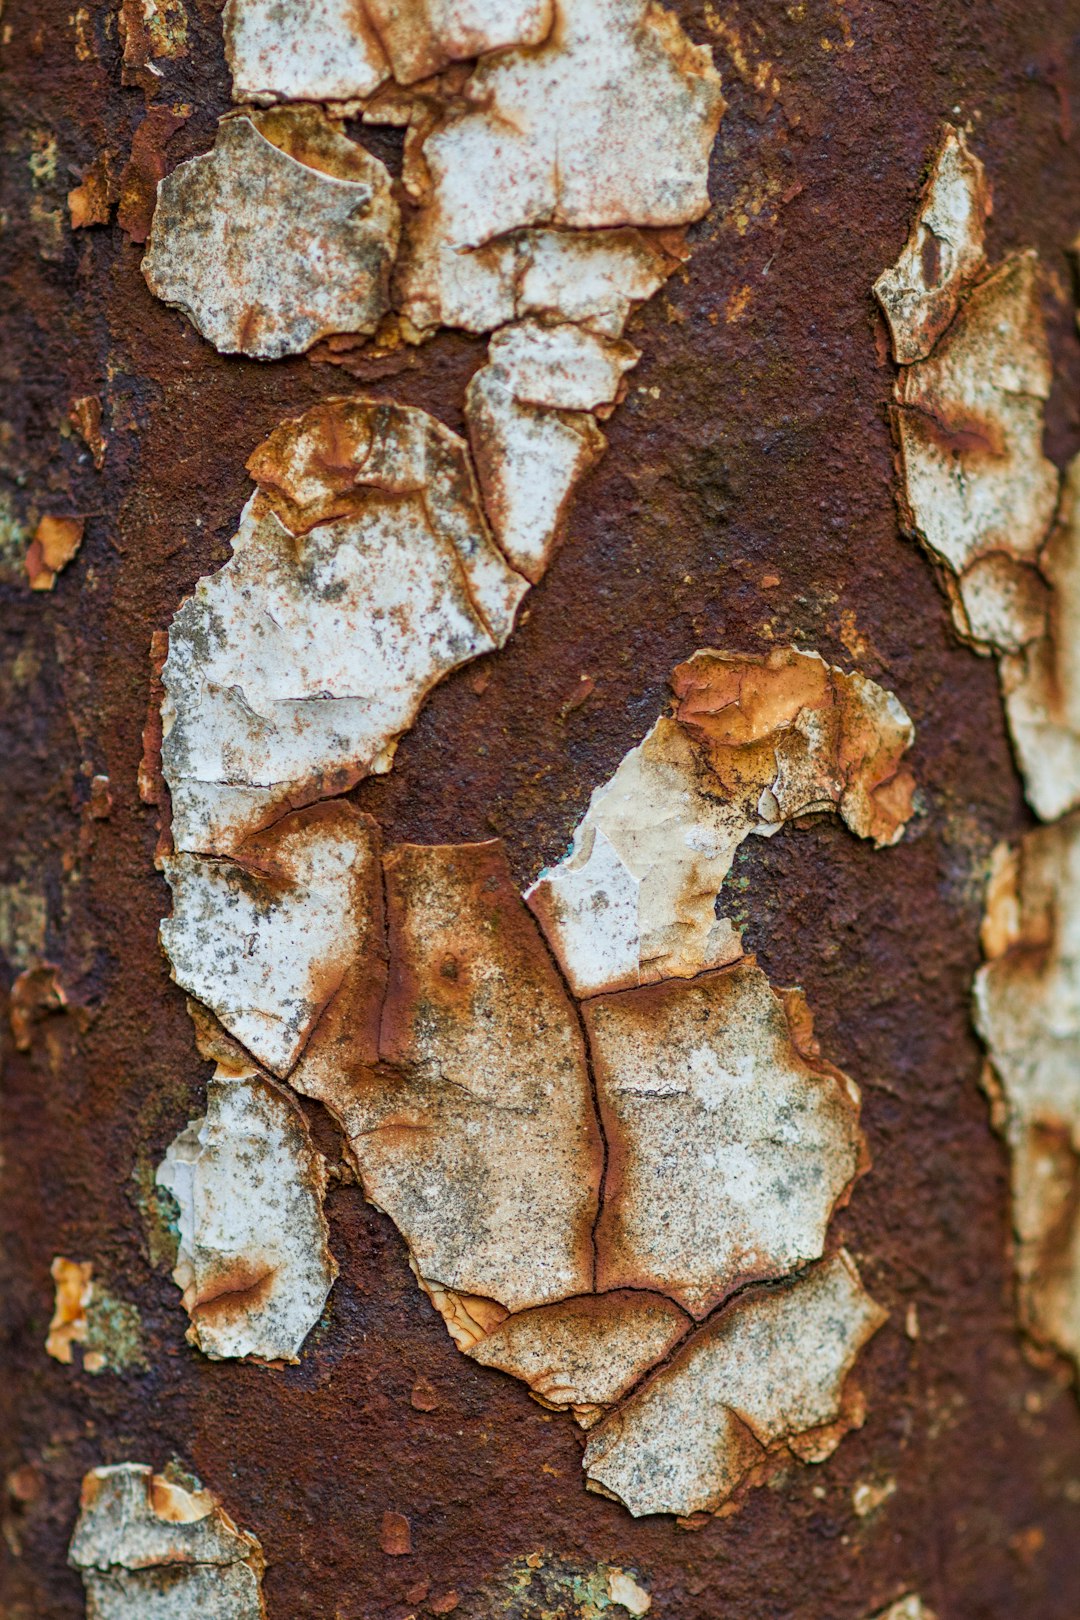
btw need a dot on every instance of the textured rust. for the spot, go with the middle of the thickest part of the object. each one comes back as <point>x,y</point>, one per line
<point>746,503</point>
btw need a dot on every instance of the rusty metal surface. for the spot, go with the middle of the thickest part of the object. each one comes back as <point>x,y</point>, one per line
<point>765,454</point>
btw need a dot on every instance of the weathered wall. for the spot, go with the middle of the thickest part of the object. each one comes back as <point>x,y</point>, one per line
<point>745,500</point>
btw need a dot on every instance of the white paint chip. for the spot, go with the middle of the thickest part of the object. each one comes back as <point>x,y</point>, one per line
<point>253,1263</point>
<point>762,1381</point>
<point>265,939</point>
<point>150,1548</point>
<point>283,234</point>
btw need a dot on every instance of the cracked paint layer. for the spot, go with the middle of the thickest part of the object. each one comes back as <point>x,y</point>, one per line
<point>362,573</point>
<point>1041,681</point>
<point>761,1382</point>
<point>730,1143</point>
<point>752,742</point>
<point>150,1547</point>
<point>283,234</point>
<point>1027,997</point>
<point>254,1263</point>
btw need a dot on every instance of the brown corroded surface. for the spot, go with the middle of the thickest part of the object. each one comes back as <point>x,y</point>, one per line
<point>745,500</point>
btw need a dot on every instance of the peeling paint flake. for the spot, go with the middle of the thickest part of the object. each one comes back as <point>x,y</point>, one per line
<point>752,743</point>
<point>762,1381</point>
<point>327,50</point>
<point>363,572</point>
<point>585,1353</point>
<point>106,1329</point>
<point>730,1143</point>
<point>266,938</point>
<point>475,1131</point>
<point>254,1263</point>
<point>283,234</point>
<point>978,490</point>
<point>1041,683</point>
<point>1027,1009</point>
<point>150,1548</point>
<point>944,253</point>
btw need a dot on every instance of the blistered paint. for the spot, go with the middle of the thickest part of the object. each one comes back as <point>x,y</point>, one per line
<point>752,743</point>
<point>281,235</point>
<point>254,1263</point>
<point>149,1547</point>
<point>764,1380</point>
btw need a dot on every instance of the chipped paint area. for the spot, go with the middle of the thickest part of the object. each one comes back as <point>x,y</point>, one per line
<point>362,573</point>
<point>283,234</point>
<point>1027,998</point>
<point>471,1120</point>
<point>909,1607</point>
<point>151,1548</point>
<point>265,939</point>
<point>254,1264</point>
<point>752,744</point>
<point>765,1380</point>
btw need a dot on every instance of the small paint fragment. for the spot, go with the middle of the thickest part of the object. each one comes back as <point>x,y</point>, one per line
<point>763,1381</point>
<point>625,1591</point>
<point>395,1535</point>
<point>55,542</point>
<point>90,202</point>
<point>446,1604</point>
<point>868,1495</point>
<point>283,234</point>
<point>1041,681</point>
<point>266,938</point>
<point>909,1607</point>
<point>74,1291</point>
<point>85,417</point>
<point>254,1264</point>
<point>150,1548</point>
